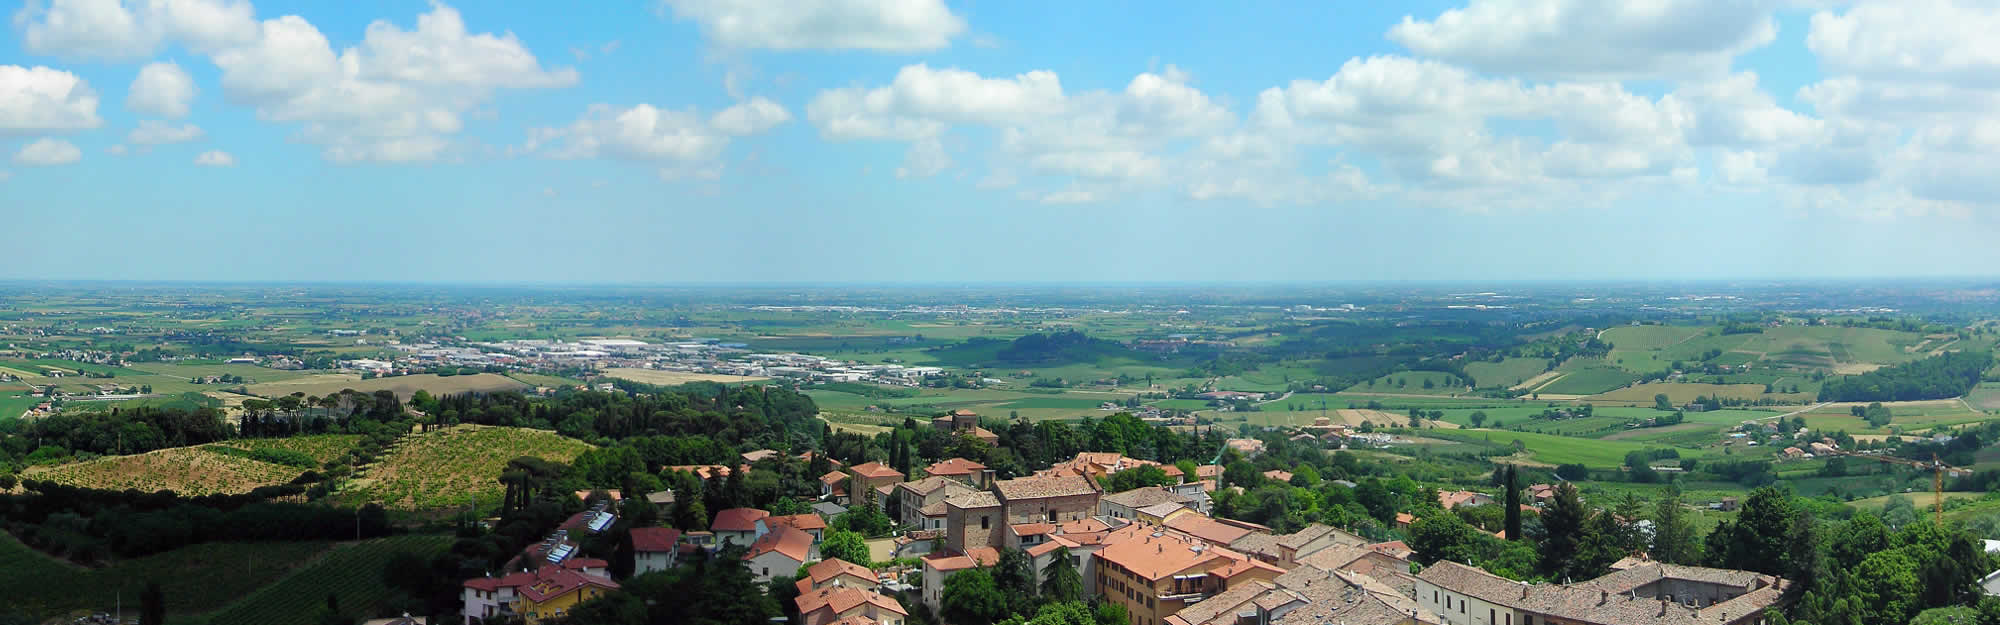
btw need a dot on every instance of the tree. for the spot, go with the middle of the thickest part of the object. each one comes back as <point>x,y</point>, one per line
<point>971,598</point>
<point>1014,575</point>
<point>152,605</point>
<point>1662,402</point>
<point>1137,477</point>
<point>1674,537</point>
<point>1060,580</point>
<point>1188,470</point>
<point>1563,525</point>
<point>1109,613</point>
<point>1755,540</point>
<point>1439,536</point>
<point>844,545</point>
<point>1513,503</point>
<point>1305,476</point>
<point>1885,588</point>
<point>1242,473</point>
<point>1478,417</point>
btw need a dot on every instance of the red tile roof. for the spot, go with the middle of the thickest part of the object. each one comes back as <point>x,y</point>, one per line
<point>1040,487</point>
<point>806,522</point>
<point>737,520</point>
<point>655,539</point>
<point>704,471</point>
<point>842,599</point>
<point>1160,554</point>
<point>828,569</point>
<point>955,466</point>
<point>875,470</point>
<point>785,541</point>
<point>540,585</point>
<point>1207,529</point>
<point>833,477</point>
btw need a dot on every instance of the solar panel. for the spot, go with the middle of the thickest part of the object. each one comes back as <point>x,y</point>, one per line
<point>599,522</point>
<point>561,553</point>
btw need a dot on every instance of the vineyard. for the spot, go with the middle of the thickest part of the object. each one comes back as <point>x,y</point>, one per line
<point>353,572</point>
<point>197,578</point>
<point>322,448</point>
<point>456,466</point>
<point>189,471</point>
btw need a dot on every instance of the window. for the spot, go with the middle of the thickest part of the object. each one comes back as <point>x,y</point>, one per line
<point>1149,603</point>
<point>1461,606</point>
<point>1052,516</point>
<point>984,523</point>
<point>1510,619</point>
<point>767,571</point>
<point>1489,616</point>
<point>1434,596</point>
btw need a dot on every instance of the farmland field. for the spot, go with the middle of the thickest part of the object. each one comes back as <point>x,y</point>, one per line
<point>455,466</point>
<point>1412,382</point>
<point>321,448</point>
<point>1505,373</point>
<point>189,471</point>
<point>1554,449</point>
<point>1682,393</point>
<point>1588,382</point>
<point>404,386</point>
<point>536,379</point>
<point>13,404</point>
<point>671,378</point>
<point>1648,337</point>
<point>196,578</point>
<point>1985,397</point>
<point>352,572</point>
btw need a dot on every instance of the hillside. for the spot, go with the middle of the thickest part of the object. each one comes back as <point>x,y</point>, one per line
<point>403,385</point>
<point>453,467</point>
<point>353,572</point>
<point>189,471</point>
<point>196,578</point>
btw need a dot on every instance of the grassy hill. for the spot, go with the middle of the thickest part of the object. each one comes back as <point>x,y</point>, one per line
<point>189,471</point>
<point>1588,381</point>
<point>454,466</point>
<point>1412,382</point>
<point>196,578</point>
<point>322,448</point>
<point>1505,373</point>
<point>353,572</point>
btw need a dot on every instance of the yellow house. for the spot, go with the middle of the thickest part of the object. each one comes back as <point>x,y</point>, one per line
<point>555,591</point>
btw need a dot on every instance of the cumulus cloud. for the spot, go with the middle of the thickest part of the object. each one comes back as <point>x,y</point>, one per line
<point>215,158</point>
<point>153,132</point>
<point>647,132</point>
<point>921,102</point>
<point>162,89</point>
<point>925,159</point>
<point>756,115</point>
<point>120,30</point>
<point>46,151</point>
<point>39,100</point>
<point>879,25</point>
<point>1592,39</point>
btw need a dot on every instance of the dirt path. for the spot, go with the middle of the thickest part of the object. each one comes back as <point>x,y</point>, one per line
<point>1800,411</point>
<point>1539,380</point>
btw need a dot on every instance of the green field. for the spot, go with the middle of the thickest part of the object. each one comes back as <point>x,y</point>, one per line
<point>352,572</point>
<point>13,404</point>
<point>1681,393</point>
<point>320,447</point>
<point>1588,381</point>
<point>453,467</point>
<point>404,386</point>
<point>1412,382</point>
<point>196,578</point>
<point>1554,449</point>
<point>1505,373</point>
<point>1648,338</point>
<point>1985,397</point>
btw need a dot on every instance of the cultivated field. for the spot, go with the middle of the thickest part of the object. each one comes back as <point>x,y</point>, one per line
<point>1682,393</point>
<point>1588,381</point>
<point>321,448</point>
<point>404,386</point>
<point>1412,382</point>
<point>1553,449</point>
<point>452,467</point>
<point>188,471</point>
<point>1505,373</point>
<point>352,571</point>
<point>670,378</point>
<point>196,578</point>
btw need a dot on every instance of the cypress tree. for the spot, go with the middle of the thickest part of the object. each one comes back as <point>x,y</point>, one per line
<point>1513,504</point>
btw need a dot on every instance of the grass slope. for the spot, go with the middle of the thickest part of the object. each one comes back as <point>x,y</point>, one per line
<point>321,448</point>
<point>196,578</point>
<point>1505,373</point>
<point>1589,381</point>
<point>189,471</point>
<point>454,467</point>
<point>1556,449</point>
<point>353,572</point>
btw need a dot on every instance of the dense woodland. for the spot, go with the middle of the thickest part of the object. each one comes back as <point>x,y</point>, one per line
<point>1943,376</point>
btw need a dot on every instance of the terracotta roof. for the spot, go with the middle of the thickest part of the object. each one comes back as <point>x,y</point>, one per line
<point>1041,487</point>
<point>1275,474</point>
<point>933,510</point>
<point>806,521</point>
<point>1404,518</point>
<point>704,471</point>
<point>926,486</point>
<point>1221,608</point>
<point>1258,544</point>
<point>586,563</point>
<point>1394,548</point>
<point>785,541</point>
<point>655,539</point>
<point>807,456</point>
<point>948,561</point>
<point>1207,529</point>
<point>1160,554</point>
<point>1208,471</point>
<point>1453,499</point>
<point>543,583</point>
<point>955,466</point>
<point>1032,529</point>
<point>976,499</point>
<point>841,599</point>
<point>875,470</point>
<point>753,457</point>
<point>1317,531</point>
<point>1162,509</point>
<point>1147,496</point>
<point>858,619</point>
<point>832,477</point>
<point>737,520</point>
<point>964,413</point>
<point>825,570</point>
<point>1595,602</point>
<point>1043,549</point>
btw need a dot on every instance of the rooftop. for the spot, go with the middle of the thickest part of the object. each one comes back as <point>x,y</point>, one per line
<point>926,486</point>
<point>1147,496</point>
<point>791,543</point>
<point>841,599</point>
<point>737,520</point>
<point>955,466</point>
<point>975,499</point>
<point>807,522</point>
<point>876,470</point>
<point>1207,529</point>
<point>1041,487</point>
<point>655,538</point>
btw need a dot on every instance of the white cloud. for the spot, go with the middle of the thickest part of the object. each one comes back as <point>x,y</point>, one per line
<point>116,149</point>
<point>1949,40</point>
<point>925,159</point>
<point>119,30</point>
<point>751,117</point>
<point>37,100</point>
<point>1593,38</point>
<point>880,25</point>
<point>162,89</point>
<point>397,96</point>
<point>215,158</point>
<point>922,101</point>
<point>154,132</point>
<point>1069,196</point>
<point>46,151</point>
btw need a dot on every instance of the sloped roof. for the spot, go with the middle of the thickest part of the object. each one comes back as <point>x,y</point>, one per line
<point>875,470</point>
<point>926,486</point>
<point>1258,544</point>
<point>807,521</point>
<point>1044,486</point>
<point>975,499</point>
<point>1315,532</point>
<point>551,581</point>
<point>841,599</point>
<point>1159,554</point>
<point>737,520</point>
<point>830,568</point>
<point>1207,529</point>
<point>785,541</point>
<point>1146,496</point>
<point>655,539</point>
<point>955,466</point>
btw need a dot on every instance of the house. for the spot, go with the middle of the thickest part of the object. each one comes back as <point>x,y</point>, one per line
<point>1164,513</point>
<point>927,495</point>
<point>663,501</point>
<point>967,472</point>
<point>833,487</point>
<point>779,553</point>
<point>1051,499</point>
<point>545,593</point>
<point>1098,465</point>
<point>1249,447</point>
<point>1727,504</point>
<point>836,573</point>
<point>753,457</point>
<point>1541,493</point>
<point>706,471</point>
<point>1454,499</point>
<point>1126,505</point>
<point>1794,453</point>
<point>739,526</point>
<point>941,564</point>
<point>1218,532</point>
<point>809,523</point>
<point>969,521</point>
<point>849,606</point>
<point>1308,596</point>
<point>964,422</point>
<point>1156,574</point>
<point>828,509</point>
<point>654,549</point>
<point>1403,520</point>
<point>1651,593</point>
<point>872,477</point>
<point>1312,539</point>
<point>1277,475</point>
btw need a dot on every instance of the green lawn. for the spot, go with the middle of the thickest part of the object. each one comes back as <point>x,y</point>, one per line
<point>1648,337</point>
<point>352,572</point>
<point>1588,382</point>
<point>197,578</point>
<point>13,404</point>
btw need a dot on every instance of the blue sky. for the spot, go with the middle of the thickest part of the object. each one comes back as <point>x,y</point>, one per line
<point>927,141</point>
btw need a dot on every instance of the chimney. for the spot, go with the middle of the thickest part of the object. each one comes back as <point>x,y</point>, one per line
<point>1524,590</point>
<point>1663,605</point>
<point>1603,596</point>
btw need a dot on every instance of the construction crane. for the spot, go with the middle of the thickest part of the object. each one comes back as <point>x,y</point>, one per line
<point>1937,468</point>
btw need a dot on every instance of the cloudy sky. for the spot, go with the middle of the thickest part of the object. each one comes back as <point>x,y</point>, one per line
<point>919,140</point>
